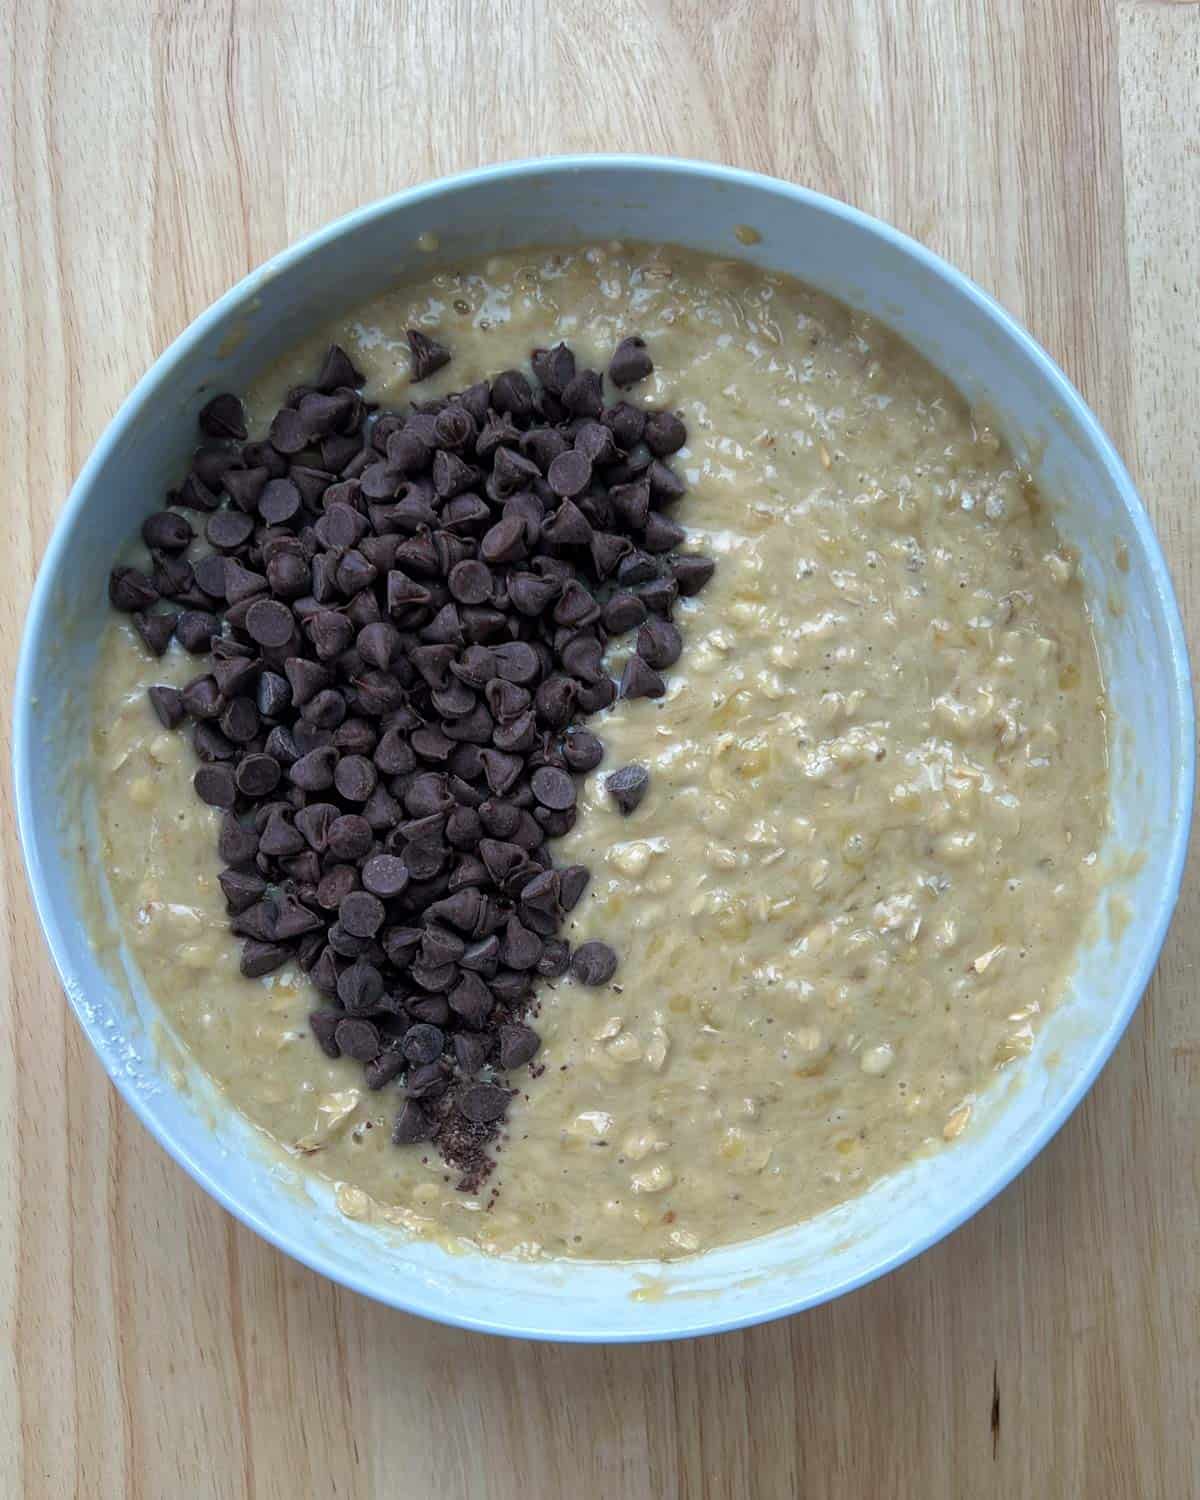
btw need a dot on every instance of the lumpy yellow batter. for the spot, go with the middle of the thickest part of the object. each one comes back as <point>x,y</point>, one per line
<point>878,786</point>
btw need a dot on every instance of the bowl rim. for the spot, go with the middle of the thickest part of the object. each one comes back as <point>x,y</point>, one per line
<point>1181,750</point>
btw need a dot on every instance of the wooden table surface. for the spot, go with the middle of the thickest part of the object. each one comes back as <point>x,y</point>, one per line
<point>152,154</point>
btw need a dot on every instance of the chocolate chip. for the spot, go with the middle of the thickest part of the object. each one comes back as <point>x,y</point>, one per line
<point>441,946</point>
<point>173,578</point>
<point>202,697</point>
<point>504,542</point>
<point>273,695</point>
<point>215,785</point>
<point>407,452</point>
<point>511,394</point>
<point>555,959</point>
<point>167,703</point>
<point>355,778</point>
<point>305,679</point>
<point>607,550</point>
<point>293,919</point>
<point>236,844</point>
<point>626,423</point>
<point>259,958</point>
<point>631,502</point>
<point>379,482</point>
<point>482,1103</point>
<point>314,822</point>
<point>519,948</point>
<point>227,530</point>
<point>511,472</point>
<point>637,568</point>
<point>314,772</point>
<point>385,876</point>
<point>471,1000</point>
<point>659,644</point>
<point>330,632</point>
<point>270,623</point>
<point>516,661</point>
<point>598,696</point>
<point>355,572</point>
<point>239,721</point>
<point>288,431</point>
<point>512,988</point>
<point>335,885</point>
<point>665,485</point>
<point>570,473</point>
<point>640,680</point>
<point>582,656</point>
<point>518,1046</point>
<point>223,417</point>
<point>337,369</point>
<point>244,486</point>
<point>427,1080</point>
<point>630,362</point>
<point>324,1024</point>
<point>210,744</point>
<point>166,531</point>
<point>308,737</point>
<point>196,495</point>
<point>235,675</point>
<point>572,882</point>
<point>659,596</point>
<point>280,837</point>
<point>568,526</point>
<point>529,594</point>
<point>195,630</point>
<point>361,914</point>
<point>209,574</point>
<point>553,788</point>
<point>555,368</point>
<point>582,395</point>
<point>155,630</point>
<point>412,1125</point>
<point>470,1053</point>
<point>627,787</point>
<point>359,988</point>
<point>428,356</point>
<point>355,737</point>
<point>423,1043</point>
<point>661,534</point>
<point>358,1038</point>
<point>470,582</point>
<point>241,586</point>
<point>130,590</point>
<point>387,1066</point>
<point>593,963</point>
<point>279,501</point>
<point>664,433</point>
<point>692,573</point>
<point>257,775</point>
<point>622,611</point>
<point>350,837</point>
<point>242,889</point>
<point>324,413</point>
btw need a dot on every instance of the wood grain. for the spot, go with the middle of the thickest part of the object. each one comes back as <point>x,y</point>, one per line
<point>149,156</point>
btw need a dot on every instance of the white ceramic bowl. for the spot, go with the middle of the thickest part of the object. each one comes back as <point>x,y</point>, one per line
<point>978,346</point>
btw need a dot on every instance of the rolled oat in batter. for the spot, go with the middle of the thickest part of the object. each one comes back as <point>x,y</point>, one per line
<point>877,788</point>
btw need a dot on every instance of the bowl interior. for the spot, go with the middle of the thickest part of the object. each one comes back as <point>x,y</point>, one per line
<point>991,360</point>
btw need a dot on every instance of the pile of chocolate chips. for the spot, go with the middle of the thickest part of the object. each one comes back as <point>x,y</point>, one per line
<point>406,617</point>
